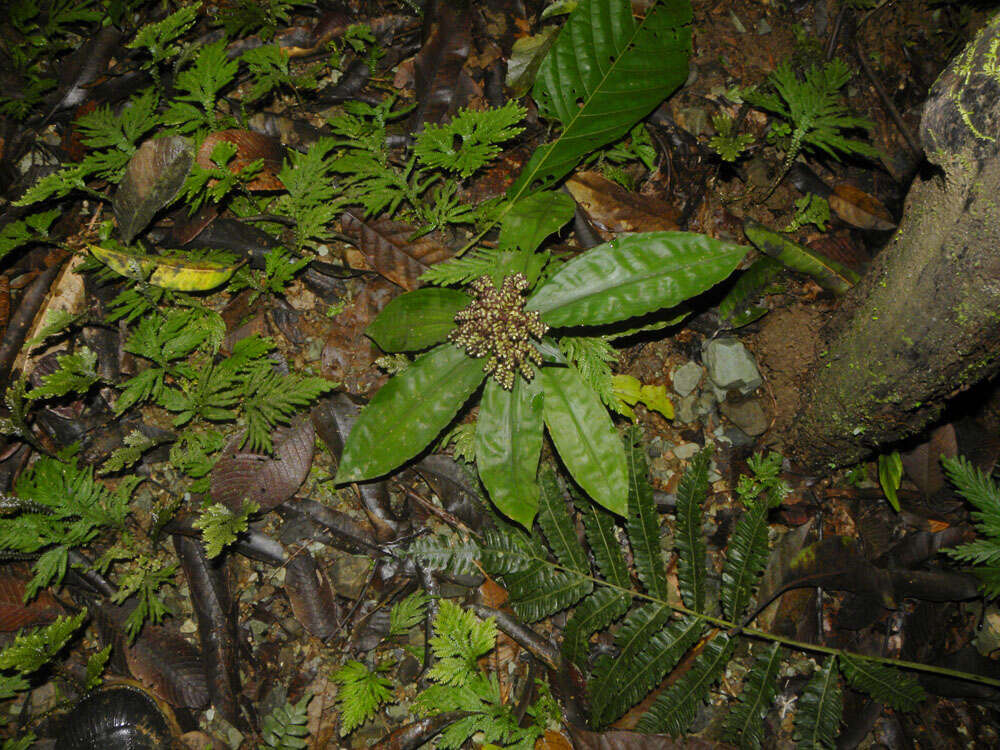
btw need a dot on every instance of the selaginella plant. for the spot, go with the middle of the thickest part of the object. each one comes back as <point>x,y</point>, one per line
<point>655,628</point>
<point>812,112</point>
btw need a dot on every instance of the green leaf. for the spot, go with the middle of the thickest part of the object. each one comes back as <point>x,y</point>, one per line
<point>599,526</point>
<point>690,539</point>
<point>890,474</point>
<point>883,683</point>
<point>220,526</point>
<point>95,666</point>
<point>446,553</point>
<point>644,520</point>
<point>605,72</point>
<point>594,613</point>
<point>408,613</point>
<point>508,444</point>
<point>585,437</point>
<point>459,639</point>
<point>418,319</point>
<point>542,591</point>
<point>533,218</point>
<point>32,650</point>
<point>746,557</point>
<point>739,307</point>
<point>469,140</point>
<point>827,272</point>
<point>558,527</point>
<point>745,723</point>
<point>408,413</point>
<point>285,728</point>
<point>362,692</point>
<point>817,720</point>
<point>634,275</point>
<point>76,373</point>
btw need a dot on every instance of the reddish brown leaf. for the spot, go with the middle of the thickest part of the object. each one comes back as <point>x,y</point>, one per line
<point>923,463</point>
<point>267,480</point>
<point>14,613</point>
<point>388,249</point>
<point>250,147</point>
<point>613,210</point>
<point>859,209</point>
<point>311,596</point>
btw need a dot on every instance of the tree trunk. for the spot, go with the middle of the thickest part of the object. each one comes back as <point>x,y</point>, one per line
<point>924,323</point>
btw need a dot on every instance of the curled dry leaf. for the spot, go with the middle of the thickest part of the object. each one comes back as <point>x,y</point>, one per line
<point>388,249</point>
<point>250,147</point>
<point>153,177</point>
<point>859,209</point>
<point>266,480</point>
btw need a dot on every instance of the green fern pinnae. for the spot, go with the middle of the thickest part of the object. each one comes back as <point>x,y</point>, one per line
<point>446,553</point>
<point>557,525</point>
<point>745,560</point>
<point>691,493</point>
<point>594,613</point>
<point>643,520</point>
<point>817,720</point>
<point>675,708</point>
<point>661,654</point>
<point>745,723</point>
<point>883,683</point>
<point>538,594</point>
<point>632,637</point>
<point>507,551</point>
<point>984,494</point>
<point>285,727</point>
<point>599,526</point>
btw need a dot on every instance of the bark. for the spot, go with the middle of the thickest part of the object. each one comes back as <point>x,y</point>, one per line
<point>924,324</point>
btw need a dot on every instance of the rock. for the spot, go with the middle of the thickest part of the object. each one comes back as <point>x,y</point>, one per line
<point>684,409</point>
<point>730,365</point>
<point>705,405</point>
<point>748,415</point>
<point>737,437</point>
<point>684,451</point>
<point>686,378</point>
<point>349,575</point>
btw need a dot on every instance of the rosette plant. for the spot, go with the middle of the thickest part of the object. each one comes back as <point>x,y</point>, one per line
<point>498,335</point>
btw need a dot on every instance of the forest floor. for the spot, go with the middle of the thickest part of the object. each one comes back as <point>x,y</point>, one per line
<point>259,642</point>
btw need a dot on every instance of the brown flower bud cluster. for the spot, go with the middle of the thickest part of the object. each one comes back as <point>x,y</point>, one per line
<point>497,326</point>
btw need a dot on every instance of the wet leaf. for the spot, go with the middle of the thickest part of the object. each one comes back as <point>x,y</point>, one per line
<point>532,219</point>
<point>389,249</point>
<point>266,480</point>
<point>826,272</point>
<point>169,273</point>
<point>311,596</point>
<point>417,319</point>
<point>923,463</point>
<point>250,147</point>
<point>890,472</point>
<point>739,307</point>
<point>612,209</point>
<point>526,57</point>
<point>14,612</point>
<point>154,176</point>
<point>441,87</point>
<point>859,209</point>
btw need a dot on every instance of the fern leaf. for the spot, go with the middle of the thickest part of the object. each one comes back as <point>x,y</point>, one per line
<point>883,683</point>
<point>285,727</point>
<point>599,526</point>
<point>594,613</point>
<point>76,373</point>
<point>557,525</point>
<point>542,592</point>
<point>643,520</point>
<point>633,636</point>
<point>661,654</point>
<point>745,560</point>
<point>817,721</point>
<point>505,550</point>
<point>745,723</point>
<point>691,493</point>
<point>449,553</point>
<point>675,709</point>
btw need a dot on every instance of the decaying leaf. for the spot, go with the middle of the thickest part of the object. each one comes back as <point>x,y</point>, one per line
<point>390,251</point>
<point>154,176</point>
<point>170,273</point>
<point>250,147</point>
<point>613,209</point>
<point>859,209</point>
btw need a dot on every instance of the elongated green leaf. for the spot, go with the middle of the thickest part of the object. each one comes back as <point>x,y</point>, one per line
<point>643,520</point>
<point>817,721</point>
<point>827,272</point>
<point>508,443</point>
<point>599,526</point>
<point>594,613</point>
<point>558,526</point>
<point>417,319</point>
<point>675,708</point>
<point>605,72</point>
<point>661,653</point>
<point>739,306</point>
<point>408,413</point>
<point>633,636</point>
<point>745,561</point>
<point>745,723</point>
<point>585,437</point>
<point>890,474</point>
<point>533,218</point>
<point>883,683</point>
<point>632,276</point>
<point>691,493</point>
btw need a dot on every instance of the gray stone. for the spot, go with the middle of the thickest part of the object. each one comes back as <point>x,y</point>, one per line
<point>730,365</point>
<point>684,409</point>
<point>748,415</point>
<point>705,406</point>
<point>684,451</point>
<point>686,378</point>
<point>349,575</point>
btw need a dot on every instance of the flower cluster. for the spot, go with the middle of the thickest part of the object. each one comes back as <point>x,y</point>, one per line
<point>497,326</point>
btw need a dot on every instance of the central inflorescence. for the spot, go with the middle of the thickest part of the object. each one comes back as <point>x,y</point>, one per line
<point>497,326</point>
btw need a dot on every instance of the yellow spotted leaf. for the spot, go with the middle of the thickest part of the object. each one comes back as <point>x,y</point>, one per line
<point>631,391</point>
<point>170,273</point>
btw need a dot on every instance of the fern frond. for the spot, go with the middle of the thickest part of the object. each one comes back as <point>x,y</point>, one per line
<point>472,265</point>
<point>76,373</point>
<point>883,683</point>
<point>440,552</point>
<point>593,357</point>
<point>594,613</point>
<point>469,140</point>
<point>459,639</point>
<point>690,540</point>
<point>285,727</point>
<point>632,637</point>
<point>408,613</point>
<point>745,723</point>
<point>557,525</point>
<point>978,489</point>
<point>504,550</point>
<point>541,592</point>
<point>746,557</point>
<point>271,399</point>
<point>660,655</point>
<point>643,520</point>
<point>675,709</point>
<point>599,526</point>
<point>362,691</point>
<point>817,720</point>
